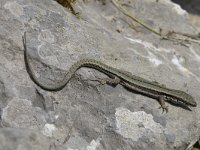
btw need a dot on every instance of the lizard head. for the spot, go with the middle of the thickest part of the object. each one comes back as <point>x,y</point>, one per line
<point>184,98</point>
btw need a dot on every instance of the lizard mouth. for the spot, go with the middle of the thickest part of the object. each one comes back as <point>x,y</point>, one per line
<point>194,104</point>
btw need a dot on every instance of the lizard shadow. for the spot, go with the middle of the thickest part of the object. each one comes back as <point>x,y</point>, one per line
<point>174,103</point>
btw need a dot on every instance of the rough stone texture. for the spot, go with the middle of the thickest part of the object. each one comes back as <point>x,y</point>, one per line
<point>83,115</point>
<point>22,139</point>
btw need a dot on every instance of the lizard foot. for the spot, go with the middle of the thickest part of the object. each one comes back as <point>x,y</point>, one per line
<point>164,108</point>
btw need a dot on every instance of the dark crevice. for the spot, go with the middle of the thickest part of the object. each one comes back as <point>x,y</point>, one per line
<point>39,101</point>
<point>191,6</point>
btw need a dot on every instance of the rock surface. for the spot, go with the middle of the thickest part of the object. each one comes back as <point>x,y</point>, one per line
<point>23,139</point>
<point>85,116</point>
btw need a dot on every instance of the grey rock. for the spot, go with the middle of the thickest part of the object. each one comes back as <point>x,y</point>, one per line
<point>22,139</point>
<point>83,115</point>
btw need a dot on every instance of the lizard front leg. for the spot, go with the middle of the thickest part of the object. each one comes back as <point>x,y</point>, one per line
<point>161,100</point>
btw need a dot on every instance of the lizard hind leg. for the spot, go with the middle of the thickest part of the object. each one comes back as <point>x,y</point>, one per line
<point>111,81</point>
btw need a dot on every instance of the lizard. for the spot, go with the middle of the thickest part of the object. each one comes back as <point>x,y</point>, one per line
<point>132,82</point>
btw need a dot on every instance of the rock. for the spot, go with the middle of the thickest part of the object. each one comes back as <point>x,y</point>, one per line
<point>23,139</point>
<point>83,115</point>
